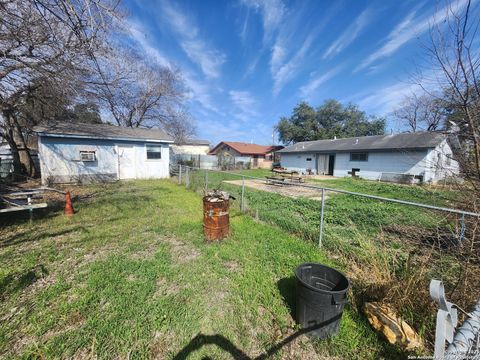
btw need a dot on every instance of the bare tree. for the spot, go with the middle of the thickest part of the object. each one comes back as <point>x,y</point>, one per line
<point>44,40</point>
<point>421,112</point>
<point>142,94</point>
<point>453,52</point>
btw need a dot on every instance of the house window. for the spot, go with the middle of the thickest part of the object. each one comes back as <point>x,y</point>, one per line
<point>359,156</point>
<point>309,159</point>
<point>154,152</point>
<point>87,156</point>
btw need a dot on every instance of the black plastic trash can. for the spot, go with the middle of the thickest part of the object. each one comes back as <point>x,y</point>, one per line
<point>321,294</point>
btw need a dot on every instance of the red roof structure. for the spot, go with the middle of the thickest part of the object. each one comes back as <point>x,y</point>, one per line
<point>246,149</point>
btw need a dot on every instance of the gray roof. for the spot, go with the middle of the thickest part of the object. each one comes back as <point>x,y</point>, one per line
<point>192,142</point>
<point>101,131</point>
<point>419,140</point>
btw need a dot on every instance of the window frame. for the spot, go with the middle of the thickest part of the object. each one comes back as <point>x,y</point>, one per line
<point>359,153</point>
<point>154,146</point>
<point>88,152</point>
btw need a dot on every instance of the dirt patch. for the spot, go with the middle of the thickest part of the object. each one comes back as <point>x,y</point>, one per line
<point>232,266</point>
<point>163,345</point>
<point>75,321</point>
<point>182,252</point>
<point>301,348</point>
<point>283,189</point>
<point>152,242</point>
<point>165,288</point>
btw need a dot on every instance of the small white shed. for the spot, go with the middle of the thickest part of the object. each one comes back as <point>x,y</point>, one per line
<point>79,153</point>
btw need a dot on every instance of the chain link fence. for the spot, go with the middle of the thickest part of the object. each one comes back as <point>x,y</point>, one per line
<point>391,241</point>
<point>317,213</point>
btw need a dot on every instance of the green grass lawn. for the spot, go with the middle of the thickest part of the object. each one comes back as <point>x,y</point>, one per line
<point>130,276</point>
<point>391,250</point>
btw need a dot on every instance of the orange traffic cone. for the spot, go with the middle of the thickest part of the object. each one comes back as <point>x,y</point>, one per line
<point>68,205</point>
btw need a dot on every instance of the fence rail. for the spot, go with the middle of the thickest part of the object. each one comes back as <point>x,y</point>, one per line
<point>185,172</point>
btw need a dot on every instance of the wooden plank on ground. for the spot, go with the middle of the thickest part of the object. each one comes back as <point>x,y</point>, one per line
<point>24,207</point>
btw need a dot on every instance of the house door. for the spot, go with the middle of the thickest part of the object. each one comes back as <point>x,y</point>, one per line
<point>322,164</point>
<point>126,162</point>
<point>255,161</point>
<point>331,164</point>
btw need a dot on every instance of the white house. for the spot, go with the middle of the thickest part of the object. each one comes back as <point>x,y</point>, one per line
<point>191,147</point>
<point>73,152</point>
<point>398,157</point>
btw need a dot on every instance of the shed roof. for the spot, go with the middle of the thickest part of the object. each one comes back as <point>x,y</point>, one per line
<point>246,148</point>
<point>192,142</point>
<point>101,131</point>
<point>419,140</point>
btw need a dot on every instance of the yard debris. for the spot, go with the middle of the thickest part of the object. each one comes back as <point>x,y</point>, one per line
<point>217,195</point>
<point>397,332</point>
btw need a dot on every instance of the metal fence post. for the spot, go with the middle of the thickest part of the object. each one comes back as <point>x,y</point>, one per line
<point>187,177</point>
<point>321,219</point>
<point>242,204</point>
<point>206,181</point>
<point>180,174</point>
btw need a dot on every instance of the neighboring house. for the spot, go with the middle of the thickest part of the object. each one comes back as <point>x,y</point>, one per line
<point>191,147</point>
<point>396,157</point>
<point>74,152</point>
<point>258,156</point>
<point>6,157</point>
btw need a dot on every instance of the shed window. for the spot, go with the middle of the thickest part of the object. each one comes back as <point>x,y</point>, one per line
<point>359,156</point>
<point>87,156</point>
<point>154,152</point>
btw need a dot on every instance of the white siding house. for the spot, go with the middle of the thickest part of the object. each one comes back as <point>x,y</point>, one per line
<point>191,147</point>
<point>101,152</point>
<point>426,155</point>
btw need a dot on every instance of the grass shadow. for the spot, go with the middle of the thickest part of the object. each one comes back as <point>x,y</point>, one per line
<point>20,280</point>
<point>25,236</point>
<point>235,352</point>
<point>286,287</point>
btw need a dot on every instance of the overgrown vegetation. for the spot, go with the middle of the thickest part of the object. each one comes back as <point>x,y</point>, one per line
<point>130,275</point>
<point>391,251</point>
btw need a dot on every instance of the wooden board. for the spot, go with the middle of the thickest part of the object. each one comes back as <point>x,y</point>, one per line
<point>24,207</point>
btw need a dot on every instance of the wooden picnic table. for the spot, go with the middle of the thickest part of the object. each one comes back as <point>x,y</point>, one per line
<point>293,178</point>
<point>274,180</point>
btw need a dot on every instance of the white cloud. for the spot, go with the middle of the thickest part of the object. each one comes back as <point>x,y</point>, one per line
<point>137,33</point>
<point>408,29</point>
<point>200,92</point>
<point>207,58</point>
<point>287,71</point>
<point>272,12</point>
<point>312,86</point>
<point>293,45</point>
<point>384,100</point>
<point>278,56</point>
<point>350,34</point>
<point>245,105</point>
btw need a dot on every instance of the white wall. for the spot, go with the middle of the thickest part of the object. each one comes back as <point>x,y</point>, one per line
<point>60,160</point>
<point>440,163</point>
<point>191,149</point>
<point>398,162</point>
<point>433,164</point>
<point>298,162</point>
<point>152,168</point>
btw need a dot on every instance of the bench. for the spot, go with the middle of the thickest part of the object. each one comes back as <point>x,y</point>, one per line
<point>354,172</point>
<point>273,180</point>
<point>294,177</point>
<point>298,179</point>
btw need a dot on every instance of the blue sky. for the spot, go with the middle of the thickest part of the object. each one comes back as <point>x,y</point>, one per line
<point>246,63</point>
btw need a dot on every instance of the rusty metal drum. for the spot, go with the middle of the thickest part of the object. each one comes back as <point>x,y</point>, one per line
<point>216,220</point>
